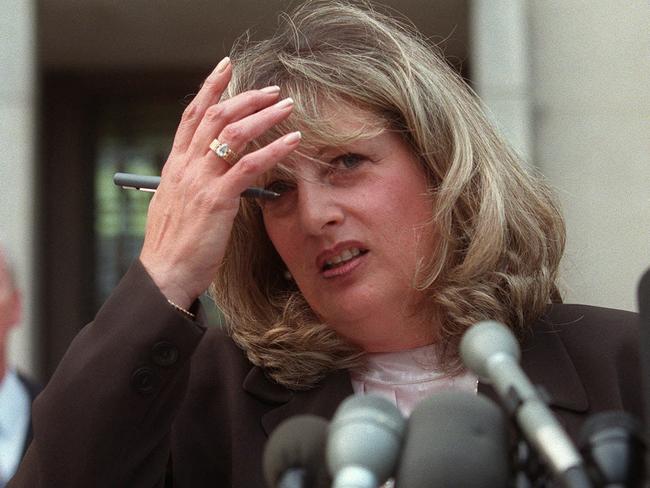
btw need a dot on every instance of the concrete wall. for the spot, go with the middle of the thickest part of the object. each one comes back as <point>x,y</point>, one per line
<point>589,88</point>
<point>17,174</point>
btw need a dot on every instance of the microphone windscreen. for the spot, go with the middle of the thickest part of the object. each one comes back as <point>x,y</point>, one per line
<point>613,444</point>
<point>298,442</point>
<point>455,439</point>
<point>484,341</point>
<point>366,431</point>
<point>644,312</point>
<point>644,297</point>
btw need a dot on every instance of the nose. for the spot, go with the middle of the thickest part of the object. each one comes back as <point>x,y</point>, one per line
<point>318,207</point>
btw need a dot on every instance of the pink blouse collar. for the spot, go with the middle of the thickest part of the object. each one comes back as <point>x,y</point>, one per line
<point>407,377</point>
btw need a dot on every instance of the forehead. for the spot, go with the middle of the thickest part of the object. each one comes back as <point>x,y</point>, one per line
<point>345,119</point>
<point>334,124</point>
<point>336,127</point>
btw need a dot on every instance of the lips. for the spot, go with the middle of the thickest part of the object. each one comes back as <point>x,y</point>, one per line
<point>339,255</point>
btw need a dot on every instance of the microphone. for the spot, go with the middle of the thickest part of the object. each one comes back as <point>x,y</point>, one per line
<point>455,439</point>
<point>613,446</point>
<point>644,312</point>
<point>293,455</point>
<point>490,350</point>
<point>364,442</point>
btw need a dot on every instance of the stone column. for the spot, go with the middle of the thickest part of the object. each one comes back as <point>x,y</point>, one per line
<point>500,60</point>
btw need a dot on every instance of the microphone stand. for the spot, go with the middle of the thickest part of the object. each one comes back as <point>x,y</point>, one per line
<point>531,472</point>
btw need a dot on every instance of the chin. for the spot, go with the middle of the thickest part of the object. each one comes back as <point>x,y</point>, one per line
<point>354,325</point>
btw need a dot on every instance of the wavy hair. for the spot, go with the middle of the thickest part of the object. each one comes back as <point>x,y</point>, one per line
<point>501,235</point>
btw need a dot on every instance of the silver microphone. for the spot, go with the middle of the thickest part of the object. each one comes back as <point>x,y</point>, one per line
<point>490,350</point>
<point>364,442</point>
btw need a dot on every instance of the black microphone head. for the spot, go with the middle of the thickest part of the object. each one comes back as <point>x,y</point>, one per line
<point>485,340</point>
<point>644,297</point>
<point>613,445</point>
<point>298,442</point>
<point>366,432</point>
<point>644,347</point>
<point>455,439</point>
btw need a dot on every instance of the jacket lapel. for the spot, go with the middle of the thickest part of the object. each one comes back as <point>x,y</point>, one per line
<point>544,359</point>
<point>322,400</point>
<point>548,365</point>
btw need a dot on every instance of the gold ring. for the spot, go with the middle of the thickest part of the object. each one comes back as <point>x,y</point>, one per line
<point>222,150</point>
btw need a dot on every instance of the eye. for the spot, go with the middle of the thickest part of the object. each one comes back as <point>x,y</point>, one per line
<point>280,186</point>
<point>278,206</point>
<point>348,161</point>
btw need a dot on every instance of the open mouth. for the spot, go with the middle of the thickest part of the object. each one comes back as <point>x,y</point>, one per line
<point>343,257</point>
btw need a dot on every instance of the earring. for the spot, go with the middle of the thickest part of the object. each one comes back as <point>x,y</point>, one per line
<point>287,275</point>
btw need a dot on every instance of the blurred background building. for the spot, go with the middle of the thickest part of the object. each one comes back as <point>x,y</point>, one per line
<point>90,87</point>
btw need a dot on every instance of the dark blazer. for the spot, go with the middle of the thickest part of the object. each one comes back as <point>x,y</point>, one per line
<point>145,394</point>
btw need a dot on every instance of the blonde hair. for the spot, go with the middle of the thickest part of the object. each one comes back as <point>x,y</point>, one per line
<point>501,234</point>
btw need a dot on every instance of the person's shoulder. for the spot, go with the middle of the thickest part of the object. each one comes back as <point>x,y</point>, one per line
<point>218,353</point>
<point>217,341</point>
<point>588,323</point>
<point>564,314</point>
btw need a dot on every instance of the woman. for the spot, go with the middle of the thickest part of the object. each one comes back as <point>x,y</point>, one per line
<point>402,219</point>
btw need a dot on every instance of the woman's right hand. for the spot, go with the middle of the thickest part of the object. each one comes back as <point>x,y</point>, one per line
<point>192,212</point>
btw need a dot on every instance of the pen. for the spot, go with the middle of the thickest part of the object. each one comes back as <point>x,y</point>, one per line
<point>150,183</point>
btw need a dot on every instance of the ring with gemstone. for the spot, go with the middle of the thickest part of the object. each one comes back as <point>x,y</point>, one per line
<point>222,150</point>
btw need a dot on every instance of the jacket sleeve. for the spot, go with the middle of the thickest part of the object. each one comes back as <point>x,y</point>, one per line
<point>104,419</point>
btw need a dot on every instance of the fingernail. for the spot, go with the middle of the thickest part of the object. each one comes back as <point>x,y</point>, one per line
<point>223,64</point>
<point>292,138</point>
<point>271,89</point>
<point>284,102</point>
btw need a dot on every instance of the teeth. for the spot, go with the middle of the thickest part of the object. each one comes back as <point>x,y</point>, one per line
<point>346,255</point>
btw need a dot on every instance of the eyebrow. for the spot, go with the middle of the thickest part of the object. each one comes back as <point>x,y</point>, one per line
<point>277,172</point>
<point>345,146</point>
<point>361,136</point>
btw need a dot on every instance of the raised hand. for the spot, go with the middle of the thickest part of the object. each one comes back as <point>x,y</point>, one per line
<point>191,215</point>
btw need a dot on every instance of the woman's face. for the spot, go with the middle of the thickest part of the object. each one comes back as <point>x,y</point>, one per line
<point>352,234</point>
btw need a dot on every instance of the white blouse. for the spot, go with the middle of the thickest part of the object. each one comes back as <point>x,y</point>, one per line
<point>407,377</point>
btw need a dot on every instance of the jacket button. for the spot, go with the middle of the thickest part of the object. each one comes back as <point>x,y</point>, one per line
<point>145,380</point>
<point>164,354</point>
